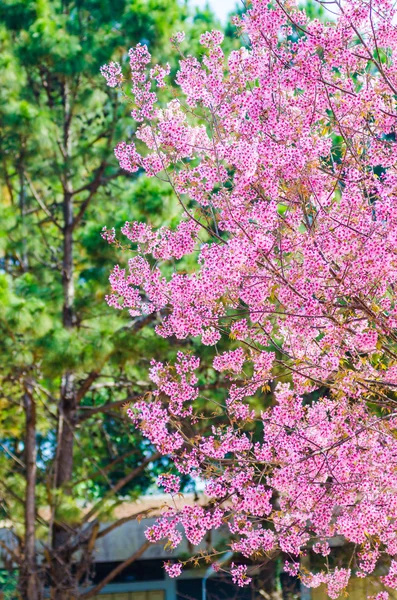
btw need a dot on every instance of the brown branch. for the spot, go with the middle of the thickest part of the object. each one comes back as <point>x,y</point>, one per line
<point>120,484</point>
<point>85,386</point>
<point>40,202</point>
<point>86,556</point>
<point>110,406</point>
<point>103,181</point>
<point>17,559</point>
<point>95,590</point>
<point>139,323</point>
<point>122,521</point>
<point>93,188</point>
<point>89,411</point>
<point>12,455</point>
<point>108,467</point>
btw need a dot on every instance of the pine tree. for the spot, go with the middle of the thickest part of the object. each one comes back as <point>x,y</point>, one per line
<point>68,362</point>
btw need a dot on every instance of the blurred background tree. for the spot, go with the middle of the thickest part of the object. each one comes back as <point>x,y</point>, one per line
<point>68,361</point>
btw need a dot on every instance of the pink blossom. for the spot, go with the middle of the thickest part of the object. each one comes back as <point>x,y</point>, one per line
<point>391,578</point>
<point>109,235</point>
<point>173,569</point>
<point>287,247</point>
<point>112,73</point>
<point>170,483</point>
<point>178,37</point>
<point>230,361</point>
<point>239,575</point>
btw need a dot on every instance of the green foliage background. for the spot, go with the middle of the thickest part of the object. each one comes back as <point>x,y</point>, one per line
<point>50,54</point>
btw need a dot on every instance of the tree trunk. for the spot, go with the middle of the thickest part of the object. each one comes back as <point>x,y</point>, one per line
<point>30,585</point>
<point>64,587</point>
<point>22,207</point>
<point>67,416</point>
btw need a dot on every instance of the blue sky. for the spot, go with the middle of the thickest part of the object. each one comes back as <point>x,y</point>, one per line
<point>220,7</point>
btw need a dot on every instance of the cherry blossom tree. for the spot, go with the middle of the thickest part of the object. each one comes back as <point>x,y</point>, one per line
<point>282,156</point>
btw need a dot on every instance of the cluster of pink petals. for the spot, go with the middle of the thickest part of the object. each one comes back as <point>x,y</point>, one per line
<point>336,582</point>
<point>173,569</point>
<point>113,74</point>
<point>289,196</point>
<point>170,483</point>
<point>239,575</point>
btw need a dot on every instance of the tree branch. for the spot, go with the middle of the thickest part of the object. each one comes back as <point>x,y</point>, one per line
<point>122,521</point>
<point>95,590</point>
<point>120,484</point>
<point>85,386</point>
<point>88,411</point>
<point>93,187</point>
<point>108,467</point>
<point>40,202</point>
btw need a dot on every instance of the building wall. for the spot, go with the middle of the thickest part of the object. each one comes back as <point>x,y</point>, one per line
<point>145,590</point>
<point>148,595</point>
<point>188,588</point>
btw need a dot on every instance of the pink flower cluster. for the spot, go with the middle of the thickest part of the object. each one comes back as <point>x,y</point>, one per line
<point>173,569</point>
<point>289,198</point>
<point>113,74</point>
<point>336,582</point>
<point>239,575</point>
<point>170,483</point>
<point>230,361</point>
